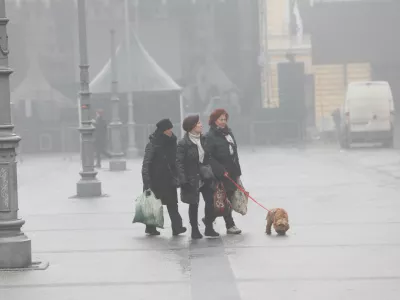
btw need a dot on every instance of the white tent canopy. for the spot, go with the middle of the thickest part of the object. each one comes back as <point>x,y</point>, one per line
<point>35,87</point>
<point>146,74</point>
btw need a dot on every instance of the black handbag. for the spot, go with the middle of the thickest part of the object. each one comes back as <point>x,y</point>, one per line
<point>206,172</point>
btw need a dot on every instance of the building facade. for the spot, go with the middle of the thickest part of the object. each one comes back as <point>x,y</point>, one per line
<point>289,28</point>
<point>352,41</point>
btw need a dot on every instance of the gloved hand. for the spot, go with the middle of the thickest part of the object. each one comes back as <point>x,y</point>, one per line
<point>186,186</point>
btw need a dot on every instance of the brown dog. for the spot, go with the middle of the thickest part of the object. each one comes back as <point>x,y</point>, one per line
<point>280,219</point>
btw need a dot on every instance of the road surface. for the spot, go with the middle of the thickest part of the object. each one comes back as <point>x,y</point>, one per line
<point>344,241</point>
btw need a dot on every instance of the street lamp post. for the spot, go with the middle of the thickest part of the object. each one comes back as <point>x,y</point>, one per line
<point>264,53</point>
<point>88,185</point>
<point>15,246</point>
<point>117,163</point>
<point>132,151</point>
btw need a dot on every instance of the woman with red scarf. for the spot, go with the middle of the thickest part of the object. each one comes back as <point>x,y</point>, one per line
<point>220,143</point>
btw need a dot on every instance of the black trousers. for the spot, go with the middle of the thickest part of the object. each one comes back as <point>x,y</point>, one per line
<point>208,196</point>
<point>176,219</point>
<point>99,152</point>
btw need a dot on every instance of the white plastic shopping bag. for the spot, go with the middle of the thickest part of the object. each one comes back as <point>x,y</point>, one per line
<point>240,200</point>
<point>149,210</point>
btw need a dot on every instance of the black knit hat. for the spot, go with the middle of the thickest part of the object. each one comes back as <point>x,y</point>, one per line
<point>190,122</point>
<point>164,124</point>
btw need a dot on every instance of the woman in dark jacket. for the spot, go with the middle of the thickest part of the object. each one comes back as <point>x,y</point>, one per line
<point>190,160</point>
<point>159,173</point>
<point>221,145</point>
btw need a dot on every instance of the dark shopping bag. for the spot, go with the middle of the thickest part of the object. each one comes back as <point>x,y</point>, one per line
<point>222,206</point>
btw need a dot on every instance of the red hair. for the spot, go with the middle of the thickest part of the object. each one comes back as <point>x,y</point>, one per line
<point>216,114</point>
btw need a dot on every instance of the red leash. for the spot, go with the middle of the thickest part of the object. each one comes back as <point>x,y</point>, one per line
<point>245,192</point>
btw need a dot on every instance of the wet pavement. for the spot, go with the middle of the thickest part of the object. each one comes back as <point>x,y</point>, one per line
<point>344,240</point>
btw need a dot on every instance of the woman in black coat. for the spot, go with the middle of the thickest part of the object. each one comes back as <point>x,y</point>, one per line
<point>191,160</point>
<point>159,173</point>
<point>221,144</point>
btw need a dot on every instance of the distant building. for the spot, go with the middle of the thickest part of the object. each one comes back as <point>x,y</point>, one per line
<point>352,41</point>
<point>316,32</point>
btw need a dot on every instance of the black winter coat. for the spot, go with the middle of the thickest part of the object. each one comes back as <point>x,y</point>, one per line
<point>100,132</point>
<point>159,169</point>
<point>188,165</point>
<point>221,159</point>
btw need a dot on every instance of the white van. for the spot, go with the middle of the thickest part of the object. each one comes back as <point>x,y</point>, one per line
<point>367,114</point>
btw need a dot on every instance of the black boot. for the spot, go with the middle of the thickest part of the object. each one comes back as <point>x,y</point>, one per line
<point>196,235</point>
<point>176,219</point>
<point>193,217</point>
<point>178,231</point>
<point>151,230</point>
<point>210,232</point>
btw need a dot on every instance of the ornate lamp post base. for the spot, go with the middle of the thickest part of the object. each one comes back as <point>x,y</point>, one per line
<point>117,162</point>
<point>88,188</point>
<point>117,165</point>
<point>15,249</point>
